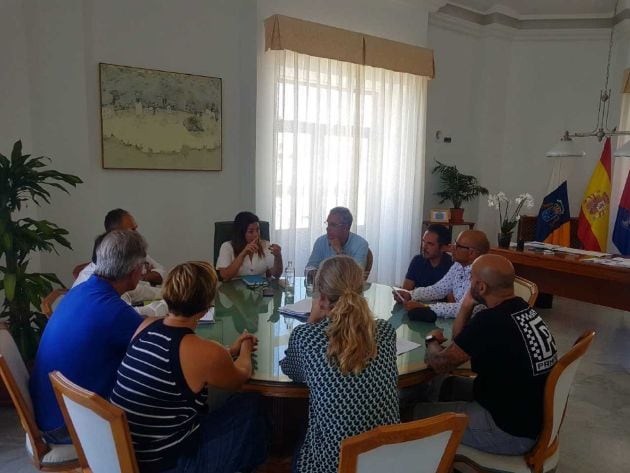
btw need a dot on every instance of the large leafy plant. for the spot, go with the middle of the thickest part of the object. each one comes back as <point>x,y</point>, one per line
<point>23,179</point>
<point>457,187</point>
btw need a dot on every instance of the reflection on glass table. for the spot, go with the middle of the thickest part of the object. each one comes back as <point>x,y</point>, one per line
<point>239,308</point>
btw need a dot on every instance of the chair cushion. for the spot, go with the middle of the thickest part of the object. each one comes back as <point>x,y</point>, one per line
<point>502,463</point>
<point>57,455</point>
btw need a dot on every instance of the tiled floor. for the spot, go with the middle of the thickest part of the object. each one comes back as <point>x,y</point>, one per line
<point>595,436</point>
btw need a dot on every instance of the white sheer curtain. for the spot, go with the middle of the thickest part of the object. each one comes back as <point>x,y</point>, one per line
<point>349,135</point>
<point>620,169</point>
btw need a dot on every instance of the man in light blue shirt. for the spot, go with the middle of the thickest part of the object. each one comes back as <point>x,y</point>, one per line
<point>339,240</point>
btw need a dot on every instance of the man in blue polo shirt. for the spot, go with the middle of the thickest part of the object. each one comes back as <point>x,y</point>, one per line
<point>339,240</point>
<point>87,336</point>
<point>429,267</point>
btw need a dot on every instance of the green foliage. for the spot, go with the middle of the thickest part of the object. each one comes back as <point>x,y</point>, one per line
<point>23,179</point>
<point>457,187</point>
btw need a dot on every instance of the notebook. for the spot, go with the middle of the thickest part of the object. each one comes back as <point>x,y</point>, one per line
<point>300,309</point>
<point>254,280</point>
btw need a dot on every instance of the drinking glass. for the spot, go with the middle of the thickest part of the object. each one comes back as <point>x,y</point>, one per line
<point>309,278</point>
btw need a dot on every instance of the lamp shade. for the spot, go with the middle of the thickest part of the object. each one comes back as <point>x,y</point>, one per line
<point>623,152</point>
<point>565,148</point>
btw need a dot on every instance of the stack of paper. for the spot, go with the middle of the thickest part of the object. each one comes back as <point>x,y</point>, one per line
<point>300,309</point>
<point>208,318</point>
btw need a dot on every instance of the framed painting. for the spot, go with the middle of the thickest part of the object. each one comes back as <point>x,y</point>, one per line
<point>154,119</point>
<point>439,215</point>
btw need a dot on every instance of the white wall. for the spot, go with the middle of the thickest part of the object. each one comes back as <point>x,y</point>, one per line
<point>505,97</point>
<point>64,43</point>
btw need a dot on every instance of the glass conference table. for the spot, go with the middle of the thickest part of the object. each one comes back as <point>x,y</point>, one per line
<point>239,308</point>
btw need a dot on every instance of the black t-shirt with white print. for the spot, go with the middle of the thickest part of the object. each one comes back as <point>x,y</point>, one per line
<point>512,352</point>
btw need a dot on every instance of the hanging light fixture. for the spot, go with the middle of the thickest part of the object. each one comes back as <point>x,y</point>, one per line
<point>567,147</point>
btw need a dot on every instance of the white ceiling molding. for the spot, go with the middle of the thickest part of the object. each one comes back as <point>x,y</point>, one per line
<point>508,17</point>
<point>459,25</point>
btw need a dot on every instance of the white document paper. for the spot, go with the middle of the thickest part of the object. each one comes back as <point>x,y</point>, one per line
<point>300,308</point>
<point>403,346</point>
<point>208,317</point>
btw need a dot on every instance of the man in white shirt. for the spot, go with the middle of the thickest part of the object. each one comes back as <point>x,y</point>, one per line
<point>119,219</point>
<point>469,245</point>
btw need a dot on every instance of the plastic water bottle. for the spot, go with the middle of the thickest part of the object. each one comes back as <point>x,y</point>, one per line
<point>289,277</point>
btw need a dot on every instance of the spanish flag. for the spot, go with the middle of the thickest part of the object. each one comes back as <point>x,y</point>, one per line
<point>595,209</point>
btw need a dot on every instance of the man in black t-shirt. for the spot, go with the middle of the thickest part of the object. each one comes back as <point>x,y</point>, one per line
<point>512,352</point>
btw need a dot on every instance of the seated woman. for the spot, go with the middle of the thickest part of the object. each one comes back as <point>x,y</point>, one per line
<point>162,386</point>
<point>348,361</point>
<point>247,254</point>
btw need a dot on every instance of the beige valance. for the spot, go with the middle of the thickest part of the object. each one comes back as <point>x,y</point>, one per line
<point>314,39</point>
<point>625,86</point>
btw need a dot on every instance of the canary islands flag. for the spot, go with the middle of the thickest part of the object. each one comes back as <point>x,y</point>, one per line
<point>595,209</point>
<point>554,219</point>
<point>621,233</point>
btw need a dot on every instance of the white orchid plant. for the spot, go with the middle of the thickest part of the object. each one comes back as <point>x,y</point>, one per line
<point>507,219</point>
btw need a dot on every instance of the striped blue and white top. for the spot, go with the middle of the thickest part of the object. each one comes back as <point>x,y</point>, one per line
<point>161,409</point>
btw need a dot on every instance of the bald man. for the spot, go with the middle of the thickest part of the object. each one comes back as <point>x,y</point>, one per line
<point>512,352</point>
<point>468,246</point>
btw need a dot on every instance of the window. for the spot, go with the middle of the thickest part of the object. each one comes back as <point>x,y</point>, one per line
<point>350,135</point>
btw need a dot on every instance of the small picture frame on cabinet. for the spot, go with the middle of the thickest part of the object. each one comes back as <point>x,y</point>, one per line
<point>439,215</point>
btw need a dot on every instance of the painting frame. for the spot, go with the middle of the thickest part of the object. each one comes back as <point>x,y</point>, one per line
<point>439,215</point>
<point>153,119</point>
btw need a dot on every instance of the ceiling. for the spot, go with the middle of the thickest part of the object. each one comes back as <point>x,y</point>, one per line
<point>542,7</point>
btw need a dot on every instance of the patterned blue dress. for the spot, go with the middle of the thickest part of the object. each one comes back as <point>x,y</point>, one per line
<point>340,406</point>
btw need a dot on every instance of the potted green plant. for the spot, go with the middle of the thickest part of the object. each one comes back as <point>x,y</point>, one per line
<point>22,179</point>
<point>457,188</point>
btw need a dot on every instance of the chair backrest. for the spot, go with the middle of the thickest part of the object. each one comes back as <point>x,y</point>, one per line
<point>527,230</point>
<point>369,262</point>
<point>421,446</point>
<point>223,233</point>
<point>51,301</point>
<point>15,376</point>
<point>526,290</point>
<point>78,268</point>
<point>557,389</point>
<point>98,429</point>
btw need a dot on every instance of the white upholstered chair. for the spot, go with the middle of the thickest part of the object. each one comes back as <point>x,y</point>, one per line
<point>421,446</point>
<point>526,290</point>
<point>98,428</point>
<point>15,376</point>
<point>544,456</point>
<point>51,301</point>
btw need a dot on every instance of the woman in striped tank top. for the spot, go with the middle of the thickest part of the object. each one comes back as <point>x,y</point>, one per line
<point>162,386</point>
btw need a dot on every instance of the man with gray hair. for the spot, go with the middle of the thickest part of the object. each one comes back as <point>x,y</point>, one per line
<point>339,240</point>
<point>87,336</point>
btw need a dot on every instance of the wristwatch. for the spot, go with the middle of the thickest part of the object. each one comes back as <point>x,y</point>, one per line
<point>428,339</point>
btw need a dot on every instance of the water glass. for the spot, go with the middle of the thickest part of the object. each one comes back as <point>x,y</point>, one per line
<point>309,278</point>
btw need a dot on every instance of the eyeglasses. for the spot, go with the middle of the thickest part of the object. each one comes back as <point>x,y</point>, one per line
<point>145,268</point>
<point>458,246</point>
<point>334,225</point>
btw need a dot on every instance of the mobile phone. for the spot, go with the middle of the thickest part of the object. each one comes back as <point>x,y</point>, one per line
<point>267,292</point>
<point>397,296</point>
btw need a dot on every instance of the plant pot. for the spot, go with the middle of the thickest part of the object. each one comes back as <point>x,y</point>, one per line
<point>504,239</point>
<point>457,216</point>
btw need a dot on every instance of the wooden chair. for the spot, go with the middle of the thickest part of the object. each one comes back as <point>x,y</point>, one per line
<point>369,262</point>
<point>421,446</point>
<point>98,429</point>
<point>15,376</point>
<point>526,290</point>
<point>51,301</point>
<point>78,268</point>
<point>545,454</point>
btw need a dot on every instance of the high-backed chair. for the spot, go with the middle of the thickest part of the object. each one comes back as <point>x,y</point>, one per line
<point>223,233</point>
<point>526,290</point>
<point>369,262</point>
<point>545,454</point>
<point>15,376</point>
<point>421,446</point>
<point>98,429</point>
<point>51,301</point>
<point>527,230</point>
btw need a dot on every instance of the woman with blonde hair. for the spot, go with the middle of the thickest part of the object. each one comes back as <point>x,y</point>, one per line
<point>348,360</point>
<point>162,386</point>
